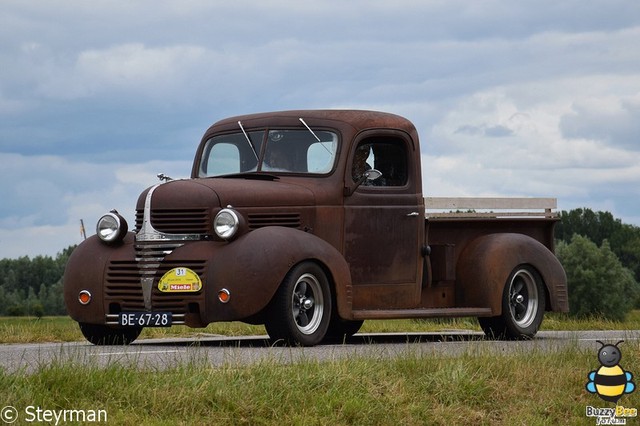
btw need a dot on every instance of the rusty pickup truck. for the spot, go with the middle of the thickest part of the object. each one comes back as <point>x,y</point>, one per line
<point>311,222</point>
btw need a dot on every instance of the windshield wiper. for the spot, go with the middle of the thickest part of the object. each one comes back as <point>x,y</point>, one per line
<point>246,136</point>
<point>309,128</point>
<point>314,135</point>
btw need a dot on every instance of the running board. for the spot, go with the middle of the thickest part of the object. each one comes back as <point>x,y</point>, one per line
<point>364,314</point>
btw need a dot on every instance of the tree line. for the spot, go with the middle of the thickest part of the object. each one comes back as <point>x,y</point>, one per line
<point>600,254</point>
<point>33,287</point>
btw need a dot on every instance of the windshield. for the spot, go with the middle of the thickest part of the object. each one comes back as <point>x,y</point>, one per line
<point>278,151</point>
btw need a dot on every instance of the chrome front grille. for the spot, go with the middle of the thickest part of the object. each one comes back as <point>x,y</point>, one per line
<point>133,285</point>
<point>178,221</point>
<point>198,221</point>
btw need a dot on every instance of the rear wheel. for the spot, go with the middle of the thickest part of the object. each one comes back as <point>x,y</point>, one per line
<point>99,334</point>
<point>523,306</point>
<point>301,308</point>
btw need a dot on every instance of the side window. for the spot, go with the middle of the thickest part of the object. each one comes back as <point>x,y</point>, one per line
<point>362,161</point>
<point>388,156</point>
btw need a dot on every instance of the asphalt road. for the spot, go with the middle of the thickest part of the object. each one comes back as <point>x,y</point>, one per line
<point>218,350</point>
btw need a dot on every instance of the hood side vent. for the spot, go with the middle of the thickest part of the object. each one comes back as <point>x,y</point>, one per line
<point>260,220</point>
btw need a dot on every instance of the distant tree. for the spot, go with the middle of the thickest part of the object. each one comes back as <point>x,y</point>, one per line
<point>597,226</point>
<point>14,303</point>
<point>32,305</point>
<point>599,285</point>
<point>625,243</point>
<point>624,239</point>
<point>33,286</point>
<point>51,300</point>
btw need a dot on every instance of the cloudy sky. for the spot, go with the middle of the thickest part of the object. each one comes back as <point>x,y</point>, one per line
<point>528,98</point>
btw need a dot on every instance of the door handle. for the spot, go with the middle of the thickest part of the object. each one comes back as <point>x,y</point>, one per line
<point>413,214</point>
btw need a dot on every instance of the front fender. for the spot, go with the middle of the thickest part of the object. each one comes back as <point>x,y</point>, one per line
<point>253,266</point>
<point>85,270</point>
<point>486,263</point>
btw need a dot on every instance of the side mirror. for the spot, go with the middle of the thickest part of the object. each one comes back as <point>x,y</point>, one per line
<point>369,176</point>
<point>372,174</point>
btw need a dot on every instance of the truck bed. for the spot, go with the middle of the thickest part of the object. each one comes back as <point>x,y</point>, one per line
<point>447,233</point>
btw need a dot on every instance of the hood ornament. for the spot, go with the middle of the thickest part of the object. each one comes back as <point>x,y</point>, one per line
<point>164,177</point>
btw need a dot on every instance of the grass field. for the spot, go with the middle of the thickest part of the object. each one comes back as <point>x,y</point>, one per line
<point>532,388</point>
<point>63,329</point>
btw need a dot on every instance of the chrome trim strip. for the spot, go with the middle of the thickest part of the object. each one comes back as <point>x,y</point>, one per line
<point>147,287</point>
<point>152,246</point>
<point>148,233</point>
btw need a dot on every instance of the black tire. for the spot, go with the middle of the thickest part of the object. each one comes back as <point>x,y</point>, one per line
<point>104,335</point>
<point>301,308</point>
<point>523,306</point>
<point>340,330</point>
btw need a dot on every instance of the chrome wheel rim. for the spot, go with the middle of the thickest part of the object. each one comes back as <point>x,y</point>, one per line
<point>523,298</point>
<point>308,304</point>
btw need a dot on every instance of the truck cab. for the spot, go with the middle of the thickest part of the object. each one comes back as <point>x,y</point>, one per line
<point>308,222</point>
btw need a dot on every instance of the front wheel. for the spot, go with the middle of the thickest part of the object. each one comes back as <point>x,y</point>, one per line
<point>99,334</point>
<point>523,306</point>
<point>339,330</point>
<point>301,308</point>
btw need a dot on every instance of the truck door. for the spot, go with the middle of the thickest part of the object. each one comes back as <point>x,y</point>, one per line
<point>384,222</point>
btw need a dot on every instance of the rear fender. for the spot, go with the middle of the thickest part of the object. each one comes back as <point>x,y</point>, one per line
<point>253,266</point>
<point>486,263</point>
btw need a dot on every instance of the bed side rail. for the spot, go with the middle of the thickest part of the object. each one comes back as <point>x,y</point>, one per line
<point>490,207</point>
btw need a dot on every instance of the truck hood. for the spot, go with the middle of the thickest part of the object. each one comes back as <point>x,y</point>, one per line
<point>240,192</point>
<point>187,207</point>
<point>218,192</point>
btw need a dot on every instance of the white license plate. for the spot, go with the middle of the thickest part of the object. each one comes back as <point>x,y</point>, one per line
<point>145,319</point>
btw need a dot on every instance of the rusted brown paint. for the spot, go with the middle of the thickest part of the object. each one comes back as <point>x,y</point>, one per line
<point>85,270</point>
<point>371,241</point>
<point>487,261</point>
<point>265,256</point>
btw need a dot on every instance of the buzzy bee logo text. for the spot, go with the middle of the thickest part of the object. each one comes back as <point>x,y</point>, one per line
<point>610,382</point>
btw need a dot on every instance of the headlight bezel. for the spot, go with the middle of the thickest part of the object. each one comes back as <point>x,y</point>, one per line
<point>111,227</point>
<point>226,224</point>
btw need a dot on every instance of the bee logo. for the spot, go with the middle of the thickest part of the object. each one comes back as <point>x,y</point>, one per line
<point>610,381</point>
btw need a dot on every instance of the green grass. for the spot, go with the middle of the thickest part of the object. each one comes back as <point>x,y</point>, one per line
<point>477,387</point>
<point>532,388</point>
<point>36,330</point>
<point>63,329</point>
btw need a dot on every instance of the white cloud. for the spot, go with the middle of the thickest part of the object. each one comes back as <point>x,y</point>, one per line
<point>531,155</point>
<point>129,68</point>
<point>45,215</point>
<point>509,98</point>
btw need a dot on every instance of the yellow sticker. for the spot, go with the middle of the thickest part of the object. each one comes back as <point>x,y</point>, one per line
<point>180,280</point>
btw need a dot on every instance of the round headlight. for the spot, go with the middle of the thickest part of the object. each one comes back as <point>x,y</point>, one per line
<point>226,224</point>
<point>111,227</point>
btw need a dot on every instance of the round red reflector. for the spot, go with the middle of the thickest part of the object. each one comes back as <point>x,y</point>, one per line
<point>224,295</point>
<point>84,297</point>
